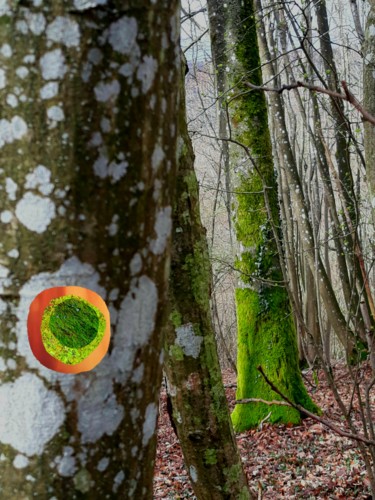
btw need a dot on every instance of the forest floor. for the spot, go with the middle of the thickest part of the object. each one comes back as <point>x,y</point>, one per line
<point>307,461</point>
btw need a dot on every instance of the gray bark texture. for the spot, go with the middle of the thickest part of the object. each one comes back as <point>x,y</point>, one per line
<point>369,96</point>
<point>88,137</point>
<point>195,387</point>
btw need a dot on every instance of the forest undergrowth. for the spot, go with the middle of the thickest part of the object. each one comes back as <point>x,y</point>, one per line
<point>306,461</point>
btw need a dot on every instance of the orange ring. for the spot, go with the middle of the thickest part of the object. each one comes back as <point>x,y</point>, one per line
<point>34,322</point>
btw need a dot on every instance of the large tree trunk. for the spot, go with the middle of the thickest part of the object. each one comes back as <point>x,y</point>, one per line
<point>200,410</point>
<point>266,331</point>
<point>88,135</point>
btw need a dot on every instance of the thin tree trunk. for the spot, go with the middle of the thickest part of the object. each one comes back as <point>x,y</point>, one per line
<point>288,164</point>
<point>88,137</point>
<point>194,383</point>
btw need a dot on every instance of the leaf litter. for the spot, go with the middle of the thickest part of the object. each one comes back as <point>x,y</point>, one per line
<point>306,461</point>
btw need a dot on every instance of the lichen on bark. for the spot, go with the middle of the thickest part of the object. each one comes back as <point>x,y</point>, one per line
<point>88,154</point>
<point>194,382</point>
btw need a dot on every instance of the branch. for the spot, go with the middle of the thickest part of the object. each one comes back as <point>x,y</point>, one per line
<point>301,409</point>
<point>347,96</point>
<point>195,41</point>
<point>257,400</point>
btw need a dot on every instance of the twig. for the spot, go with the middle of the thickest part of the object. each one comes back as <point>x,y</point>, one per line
<point>301,409</point>
<point>258,400</point>
<point>347,96</point>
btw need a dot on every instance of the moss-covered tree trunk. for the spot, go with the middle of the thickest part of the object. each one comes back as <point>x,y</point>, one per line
<point>200,410</point>
<point>369,97</point>
<point>266,330</point>
<point>88,145</point>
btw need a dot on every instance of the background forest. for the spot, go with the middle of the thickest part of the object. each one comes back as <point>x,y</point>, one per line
<point>209,170</point>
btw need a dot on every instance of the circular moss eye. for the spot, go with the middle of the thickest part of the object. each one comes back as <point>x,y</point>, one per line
<point>74,323</point>
<point>71,328</point>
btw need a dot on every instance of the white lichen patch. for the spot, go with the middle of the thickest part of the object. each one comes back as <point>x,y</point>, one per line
<point>113,227</point>
<point>105,92</point>
<point>12,130</point>
<point>33,414</point>
<point>22,72</point>
<point>103,464</point>
<point>163,228</point>
<point>6,50</point>
<point>146,72</point>
<point>11,364</point>
<point>3,79</point>
<point>36,22</point>
<point>12,100</point>
<point>52,65</point>
<point>98,411</point>
<point>66,464</point>
<point>6,216</point>
<point>5,9</point>
<point>14,254</point>
<point>65,31</point>
<point>123,35</point>
<point>49,90</point>
<point>149,424</point>
<point>95,56</point>
<point>193,473</point>
<point>135,264</point>
<point>115,170</point>
<point>135,325</point>
<point>40,178</point>
<point>35,213</point>
<point>56,114</point>
<point>88,4</point>
<point>157,157</point>
<point>20,461</point>
<point>10,188</point>
<point>189,342</point>
<point>118,480</point>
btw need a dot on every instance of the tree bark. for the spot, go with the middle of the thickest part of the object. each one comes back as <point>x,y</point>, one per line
<point>369,98</point>
<point>88,138</point>
<point>288,164</point>
<point>266,331</point>
<point>194,383</point>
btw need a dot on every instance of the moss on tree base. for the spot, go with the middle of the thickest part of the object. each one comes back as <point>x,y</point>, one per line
<point>267,339</point>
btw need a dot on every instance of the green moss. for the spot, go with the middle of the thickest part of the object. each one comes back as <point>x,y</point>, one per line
<point>210,457</point>
<point>175,318</point>
<point>198,267</point>
<point>267,339</point>
<point>74,323</point>
<point>176,352</point>
<point>266,332</point>
<point>72,328</point>
<point>232,475</point>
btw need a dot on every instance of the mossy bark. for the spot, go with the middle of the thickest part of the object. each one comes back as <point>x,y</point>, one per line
<point>87,166</point>
<point>266,330</point>
<point>369,97</point>
<point>200,410</point>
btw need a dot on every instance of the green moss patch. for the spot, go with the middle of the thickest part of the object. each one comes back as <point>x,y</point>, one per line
<point>72,328</point>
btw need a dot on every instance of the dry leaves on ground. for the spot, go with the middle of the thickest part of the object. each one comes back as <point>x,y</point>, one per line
<point>306,461</point>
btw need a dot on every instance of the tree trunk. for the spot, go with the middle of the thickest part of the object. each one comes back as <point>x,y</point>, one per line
<point>288,164</point>
<point>88,137</point>
<point>200,410</point>
<point>369,98</point>
<point>266,331</point>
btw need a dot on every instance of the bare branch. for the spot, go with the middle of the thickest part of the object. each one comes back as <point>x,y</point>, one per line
<point>347,96</point>
<point>301,409</point>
